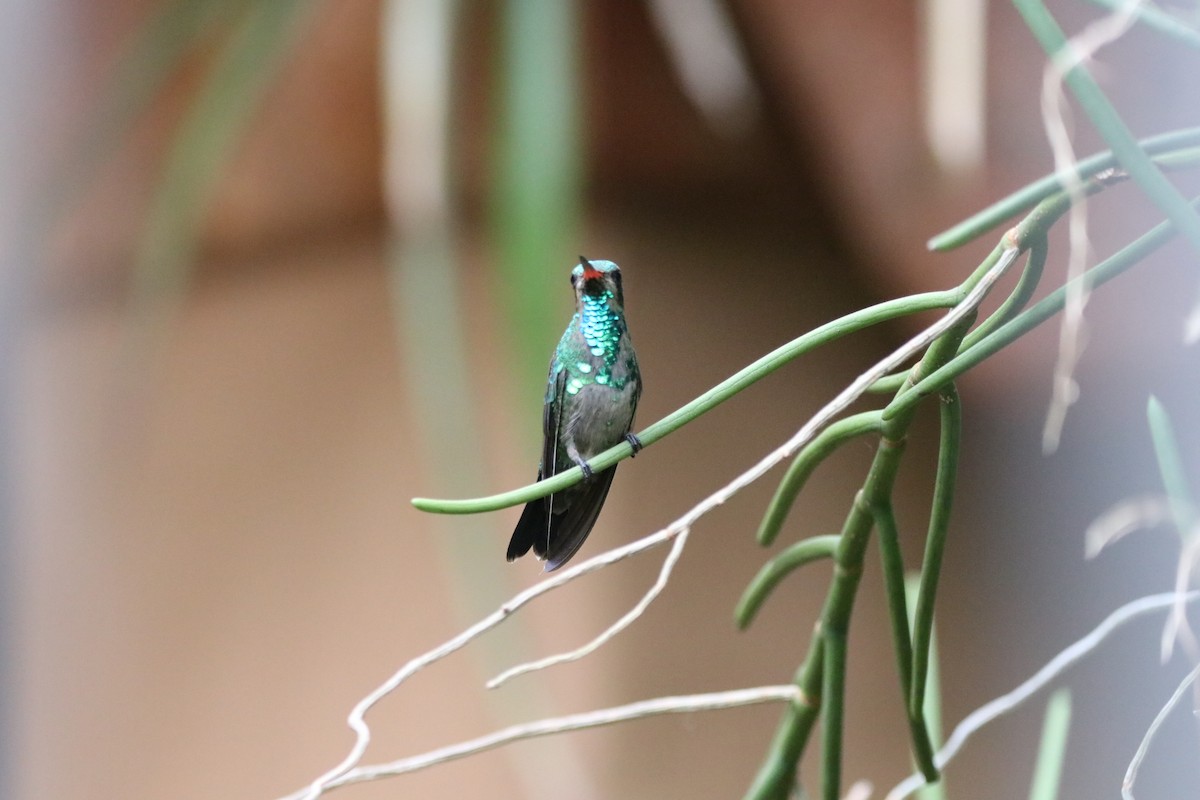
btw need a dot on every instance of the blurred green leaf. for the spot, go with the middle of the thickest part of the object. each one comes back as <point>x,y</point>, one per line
<point>212,126</point>
<point>535,199</point>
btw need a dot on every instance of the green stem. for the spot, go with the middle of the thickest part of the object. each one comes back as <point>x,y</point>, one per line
<point>932,711</point>
<point>1026,285</point>
<point>778,772</point>
<point>1114,265</point>
<point>834,692</point>
<point>950,415</point>
<point>777,775</point>
<point>814,453</point>
<point>803,552</point>
<point>893,580</point>
<point>1109,124</point>
<point>1027,197</point>
<point>764,366</point>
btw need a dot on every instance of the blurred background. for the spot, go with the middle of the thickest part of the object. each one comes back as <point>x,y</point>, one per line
<point>273,269</point>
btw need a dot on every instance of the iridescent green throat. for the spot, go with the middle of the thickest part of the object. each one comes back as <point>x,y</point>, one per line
<point>601,328</point>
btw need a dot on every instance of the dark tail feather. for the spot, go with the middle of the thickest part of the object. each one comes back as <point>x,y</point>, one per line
<point>570,528</point>
<point>530,528</point>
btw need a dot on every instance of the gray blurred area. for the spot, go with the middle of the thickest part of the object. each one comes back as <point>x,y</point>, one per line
<point>210,552</point>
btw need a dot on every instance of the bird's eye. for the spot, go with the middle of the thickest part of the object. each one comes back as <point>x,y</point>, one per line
<point>574,278</point>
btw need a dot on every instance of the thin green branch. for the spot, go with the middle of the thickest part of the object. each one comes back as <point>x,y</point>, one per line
<point>893,583</point>
<point>1047,775</point>
<point>893,580</point>
<point>807,460</point>
<point>1021,293</point>
<point>834,692</point>
<point>777,775</point>
<point>1114,265</point>
<point>1026,285</point>
<point>932,711</point>
<point>778,772</point>
<point>890,384</point>
<point>1109,124</point>
<point>764,366</point>
<point>950,413</point>
<point>1157,20</point>
<point>1029,196</point>
<point>803,552</point>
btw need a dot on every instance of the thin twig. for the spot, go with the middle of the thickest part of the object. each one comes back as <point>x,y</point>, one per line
<point>572,722</point>
<point>1131,773</point>
<point>624,622</point>
<point>356,720</point>
<point>1002,705</point>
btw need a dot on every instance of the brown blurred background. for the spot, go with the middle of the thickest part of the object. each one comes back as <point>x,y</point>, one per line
<point>224,386</point>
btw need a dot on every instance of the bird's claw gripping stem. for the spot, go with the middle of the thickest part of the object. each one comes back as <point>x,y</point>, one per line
<point>635,443</point>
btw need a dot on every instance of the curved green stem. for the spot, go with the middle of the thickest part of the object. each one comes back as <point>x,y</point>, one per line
<point>889,384</point>
<point>833,690</point>
<point>1027,197</point>
<point>1111,267</point>
<point>935,544</point>
<point>805,462</point>
<point>764,366</point>
<point>777,774</point>
<point>893,581</point>
<point>1026,285</point>
<point>778,568</point>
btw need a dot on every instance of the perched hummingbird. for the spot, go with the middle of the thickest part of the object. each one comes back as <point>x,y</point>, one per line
<point>591,395</point>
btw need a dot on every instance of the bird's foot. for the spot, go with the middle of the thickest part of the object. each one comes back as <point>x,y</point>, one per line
<point>635,443</point>
<point>587,470</point>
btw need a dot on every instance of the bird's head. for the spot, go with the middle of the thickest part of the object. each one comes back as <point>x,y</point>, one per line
<point>596,278</point>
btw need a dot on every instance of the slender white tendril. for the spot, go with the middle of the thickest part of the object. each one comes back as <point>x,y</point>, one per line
<point>1140,755</point>
<point>624,622</point>
<point>1078,49</point>
<point>573,722</point>
<point>1004,704</point>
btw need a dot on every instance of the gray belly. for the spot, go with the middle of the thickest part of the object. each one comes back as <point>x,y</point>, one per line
<point>600,417</point>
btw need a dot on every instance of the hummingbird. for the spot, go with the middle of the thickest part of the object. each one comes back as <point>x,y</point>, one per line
<point>591,395</point>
